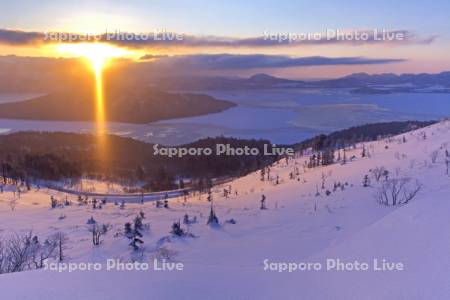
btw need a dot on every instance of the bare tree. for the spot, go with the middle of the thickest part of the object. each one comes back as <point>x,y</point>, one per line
<point>26,252</point>
<point>447,163</point>
<point>323,177</point>
<point>433,156</point>
<point>39,253</point>
<point>97,231</point>
<point>13,203</point>
<point>411,192</point>
<point>14,254</point>
<point>377,173</point>
<point>397,191</point>
<point>59,241</point>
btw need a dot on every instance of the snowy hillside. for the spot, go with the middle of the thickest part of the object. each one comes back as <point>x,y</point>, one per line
<point>302,225</point>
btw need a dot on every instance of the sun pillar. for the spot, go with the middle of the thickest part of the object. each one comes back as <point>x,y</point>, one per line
<point>100,113</point>
<point>99,101</point>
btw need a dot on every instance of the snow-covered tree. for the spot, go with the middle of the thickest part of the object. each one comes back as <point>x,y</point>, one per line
<point>132,232</point>
<point>177,230</point>
<point>212,219</point>
<point>366,181</point>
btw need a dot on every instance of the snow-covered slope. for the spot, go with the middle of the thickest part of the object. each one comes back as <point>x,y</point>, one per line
<point>229,262</point>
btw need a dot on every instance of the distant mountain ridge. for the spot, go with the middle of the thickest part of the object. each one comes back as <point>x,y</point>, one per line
<point>442,78</point>
<point>256,81</point>
<point>262,81</point>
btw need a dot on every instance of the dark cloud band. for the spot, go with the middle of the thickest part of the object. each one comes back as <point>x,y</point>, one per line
<point>170,39</point>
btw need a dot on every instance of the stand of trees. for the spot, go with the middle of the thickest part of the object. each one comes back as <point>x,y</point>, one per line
<point>353,135</point>
<point>29,156</point>
<point>26,252</point>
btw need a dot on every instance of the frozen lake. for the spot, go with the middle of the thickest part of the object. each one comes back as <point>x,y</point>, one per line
<point>280,115</point>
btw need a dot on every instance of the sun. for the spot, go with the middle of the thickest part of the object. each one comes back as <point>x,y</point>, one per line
<point>97,54</point>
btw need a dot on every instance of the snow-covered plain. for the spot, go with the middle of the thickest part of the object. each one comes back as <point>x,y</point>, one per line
<point>227,262</point>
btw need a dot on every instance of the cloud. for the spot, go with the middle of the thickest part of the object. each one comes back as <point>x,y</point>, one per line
<point>20,38</point>
<point>257,61</point>
<point>171,39</point>
<point>152,57</point>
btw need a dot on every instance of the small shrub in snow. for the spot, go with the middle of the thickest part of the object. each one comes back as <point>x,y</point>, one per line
<point>335,186</point>
<point>231,221</point>
<point>188,221</point>
<point>53,202</point>
<point>263,202</point>
<point>177,230</point>
<point>366,181</point>
<point>164,253</point>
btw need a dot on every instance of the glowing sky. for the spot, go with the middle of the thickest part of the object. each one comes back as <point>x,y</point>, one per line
<point>248,19</point>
